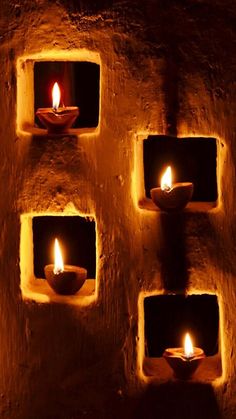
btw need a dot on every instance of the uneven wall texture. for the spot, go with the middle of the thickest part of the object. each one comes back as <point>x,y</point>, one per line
<point>167,67</point>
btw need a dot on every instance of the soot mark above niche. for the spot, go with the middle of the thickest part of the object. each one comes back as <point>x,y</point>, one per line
<point>77,238</point>
<point>168,317</point>
<point>79,83</point>
<point>191,159</point>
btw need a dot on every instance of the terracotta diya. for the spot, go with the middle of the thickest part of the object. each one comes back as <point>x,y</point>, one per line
<point>57,119</point>
<point>184,361</point>
<point>64,279</point>
<point>171,197</point>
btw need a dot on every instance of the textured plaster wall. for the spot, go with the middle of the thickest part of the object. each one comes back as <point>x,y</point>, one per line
<point>167,67</point>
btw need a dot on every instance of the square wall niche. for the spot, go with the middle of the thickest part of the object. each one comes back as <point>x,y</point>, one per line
<point>167,318</point>
<point>77,239</point>
<point>78,76</point>
<point>192,159</point>
<point>79,85</point>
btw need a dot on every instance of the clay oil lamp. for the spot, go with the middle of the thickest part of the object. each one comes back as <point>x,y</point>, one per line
<point>171,197</point>
<point>64,279</point>
<point>184,361</point>
<point>57,119</point>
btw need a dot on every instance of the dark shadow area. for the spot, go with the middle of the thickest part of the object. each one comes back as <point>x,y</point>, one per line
<point>192,160</point>
<point>77,238</point>
<point>73,357</point>
<point>79,85</point>
<point>174,264</point>
<point>178,400</point>
<point>170,88</point>
<point>168,317</point>
<point>87,6</point>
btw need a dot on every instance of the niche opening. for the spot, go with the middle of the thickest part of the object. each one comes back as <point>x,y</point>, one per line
<point>79,84</point>
<point>77,71</point>
<point>192,160</point>
<point>77,237</point>
<point>166,320</point>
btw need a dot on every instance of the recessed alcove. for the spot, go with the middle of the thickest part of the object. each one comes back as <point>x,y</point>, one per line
<point>166,320</point>
<point>79,84</point>
<point>77,237</point>
<point>78,75</point>
<point>192,159</point>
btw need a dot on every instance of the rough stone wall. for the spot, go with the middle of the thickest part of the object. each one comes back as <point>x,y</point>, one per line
<point>168,67</point>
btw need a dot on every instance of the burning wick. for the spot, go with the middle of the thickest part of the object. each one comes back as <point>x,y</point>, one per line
<point>171,196</point>
<point>166,180</point>
<point>58,261</point>
<point>57,119</point>
<point>184,361</point>
<point>64,279</point>
<point>188,347</point>
<point>56,97</point>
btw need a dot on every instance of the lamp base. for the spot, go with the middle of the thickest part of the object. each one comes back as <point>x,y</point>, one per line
<point>58,121</point>
<point>67,282</point>
<point>174,199</point>
<point>183,367</point>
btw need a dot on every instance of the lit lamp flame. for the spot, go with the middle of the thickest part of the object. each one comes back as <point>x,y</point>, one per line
<point>166,180</point>
<point>56,96</point>
<point>58,261</point>
<point>188,346</point>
